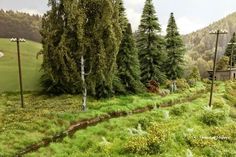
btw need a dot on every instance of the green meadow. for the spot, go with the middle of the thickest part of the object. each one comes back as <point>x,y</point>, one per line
<point>9,80</point>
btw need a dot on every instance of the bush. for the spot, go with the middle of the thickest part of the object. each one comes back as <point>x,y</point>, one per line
<point>168,84</point>
<point>192,82</point>
<point>182,84</point>
<point>213,117</point>
<point>207,81</point>
<point>137,145</point>
<point>150,143</point>
<point>200,142</point>
<point>195,74</point>
<point>153,86</point>
<point>145,122</point>
<point>226,133</point>
<point>218,103</point>
<point>178,110</point>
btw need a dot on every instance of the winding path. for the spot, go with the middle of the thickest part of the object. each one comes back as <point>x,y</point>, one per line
<point>94,121</point>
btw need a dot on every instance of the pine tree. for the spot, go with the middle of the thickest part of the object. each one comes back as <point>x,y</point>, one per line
<point>128,68</point>
<point>150,45</point>
<point>229,48</point>
<point>75,29</point>
<point>103,37</point>
<point>128,63</point>
<point>122,16</point>
<point>175,51</point>
<point>59,65</point>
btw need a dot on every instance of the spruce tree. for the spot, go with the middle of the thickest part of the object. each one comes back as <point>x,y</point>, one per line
<point>128,68</point>
<point>59,65</point>
<point>229,48</point>
<point>128,63</point>
<point>103,37</point>
<point>175,50</point>
<point>150,45</point>
<point>76,29</point>
<point>122,15</point>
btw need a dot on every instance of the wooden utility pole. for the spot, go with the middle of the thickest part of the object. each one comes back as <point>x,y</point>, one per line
<point>231,58</point>
<point>18,40</point>
<point>217,33</point>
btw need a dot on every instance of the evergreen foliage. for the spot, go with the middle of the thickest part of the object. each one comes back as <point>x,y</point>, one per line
<point>150,45</point>
<point>175,50</point>
<point>128,63</point>
<point>61,74</point>
<point>122,16</point>
<point>103,33</point>
<point>223,63</point>
<point>195,74</point>
<point>229,48</point>
<point>74,28</point>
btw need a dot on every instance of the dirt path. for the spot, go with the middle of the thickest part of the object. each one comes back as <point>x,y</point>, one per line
<point>94,121</point>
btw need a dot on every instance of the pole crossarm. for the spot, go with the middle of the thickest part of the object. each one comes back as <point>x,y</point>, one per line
<point>218,32</point>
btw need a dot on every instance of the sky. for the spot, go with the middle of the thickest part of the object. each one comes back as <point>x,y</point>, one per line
<point>190,15</point>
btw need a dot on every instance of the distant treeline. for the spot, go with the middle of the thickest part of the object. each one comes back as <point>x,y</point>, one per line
<point>17,24</point>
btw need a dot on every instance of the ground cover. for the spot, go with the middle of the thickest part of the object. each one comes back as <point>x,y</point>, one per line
<point>45,116</point>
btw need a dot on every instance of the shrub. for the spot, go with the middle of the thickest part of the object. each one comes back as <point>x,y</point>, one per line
<point>178,110</point>
<point>137,145</point>
<point>218,103</point>
<point>168,84</point>
<point>213,117</point>
<point>226,133</point>
<point>145,122</point>
<point>149,143</point>
<point>200,141</point>
<point>153,86</point>
<point>182,84</point>
<point>195,74</point>
<point>207,81</point>
<point>192,82</point>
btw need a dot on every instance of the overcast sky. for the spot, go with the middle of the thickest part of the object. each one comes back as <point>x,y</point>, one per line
<point>190,14</point>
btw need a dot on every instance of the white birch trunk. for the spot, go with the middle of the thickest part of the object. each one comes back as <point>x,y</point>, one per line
<point>84,105</point>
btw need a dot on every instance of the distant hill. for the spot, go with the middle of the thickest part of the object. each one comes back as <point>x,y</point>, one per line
<point>23,25</point>
<point>202,44</point>
<point>9,81</point>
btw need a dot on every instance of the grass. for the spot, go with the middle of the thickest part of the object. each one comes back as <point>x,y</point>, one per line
<point>184,134</point>
<point>9,67</point>
<point>45,116</point>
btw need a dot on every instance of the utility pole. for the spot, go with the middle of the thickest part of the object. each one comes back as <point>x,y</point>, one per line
<point>18,40</point>
<point>231,57</point>
<point>217,33</point>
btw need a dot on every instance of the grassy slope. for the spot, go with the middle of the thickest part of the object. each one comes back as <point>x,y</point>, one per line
<point>45,116</point>
<point>9,67</point>
<point>179,142</point>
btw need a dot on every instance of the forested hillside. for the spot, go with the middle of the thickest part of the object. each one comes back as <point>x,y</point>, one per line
<point>16,24</point>
<point>202,44</point>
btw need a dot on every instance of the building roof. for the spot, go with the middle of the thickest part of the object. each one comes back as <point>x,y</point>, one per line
<point>233,69</point>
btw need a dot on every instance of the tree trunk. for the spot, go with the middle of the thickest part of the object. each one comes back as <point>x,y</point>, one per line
<point>84,105</point>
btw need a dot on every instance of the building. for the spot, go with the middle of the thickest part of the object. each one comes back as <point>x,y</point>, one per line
<point>222,75</point>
